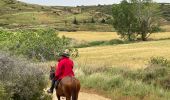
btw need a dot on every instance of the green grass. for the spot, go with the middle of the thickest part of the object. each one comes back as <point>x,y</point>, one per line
<point>119,83</point>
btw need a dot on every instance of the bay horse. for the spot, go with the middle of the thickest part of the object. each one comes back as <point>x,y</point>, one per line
<point>68,87</point>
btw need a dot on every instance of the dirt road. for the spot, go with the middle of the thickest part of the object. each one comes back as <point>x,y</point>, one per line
<point>86,96</point>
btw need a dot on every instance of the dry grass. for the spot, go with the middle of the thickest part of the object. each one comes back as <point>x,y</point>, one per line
<point>90,36</point>
<point>133,55</point>
<point>160,35</point>
<point>104,36</point>
<point>166,28</point>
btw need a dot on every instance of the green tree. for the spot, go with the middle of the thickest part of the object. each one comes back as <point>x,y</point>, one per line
<point>75,21</point>
<point>124,19</point>
<point>137,17</point>
<point>92,20</point>
<point>148,15</point>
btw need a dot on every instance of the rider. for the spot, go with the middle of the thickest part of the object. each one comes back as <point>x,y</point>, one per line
<point>63,69</point>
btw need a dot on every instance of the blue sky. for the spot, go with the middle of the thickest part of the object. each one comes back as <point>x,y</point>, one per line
<point>77,2</point>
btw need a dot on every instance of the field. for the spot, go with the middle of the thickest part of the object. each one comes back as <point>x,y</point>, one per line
<point>134,55</point>
<point>90,36</point>
<point>118,71</point>
<point>105,36</point>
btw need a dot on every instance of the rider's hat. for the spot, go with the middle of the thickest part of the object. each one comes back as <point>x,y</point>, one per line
<point>66,53</point>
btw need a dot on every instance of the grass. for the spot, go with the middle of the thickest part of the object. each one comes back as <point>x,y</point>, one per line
<point>87,36</point>
<point>27,18</point>
<point>121,84</point>
<point>133,55</point>
<point>90,36</point>
<point>160,35</point>
<point>166,28</point>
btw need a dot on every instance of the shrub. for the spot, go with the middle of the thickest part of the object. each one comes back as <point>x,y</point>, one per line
<point>97,43</point>
<point>3,95</point>
<point>23,80</point>
<point>159,61</point>
<point>120,83</point>
<point>103,21</point>
<point>75,21</point>
<point>40,44</point>
<point>115,41</point>
<point>92,20</point>
<point>157,73</point>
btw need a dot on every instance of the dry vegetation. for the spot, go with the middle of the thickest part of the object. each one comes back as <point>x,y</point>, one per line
<point>129,55</point>
<point>133,55</point>
<point>90,36</point>
<point>104,36</point>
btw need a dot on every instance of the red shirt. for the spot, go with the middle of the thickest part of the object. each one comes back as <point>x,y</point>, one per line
<point>64,68</point>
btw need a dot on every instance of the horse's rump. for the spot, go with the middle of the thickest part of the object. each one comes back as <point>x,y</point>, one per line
<point>69,86</point>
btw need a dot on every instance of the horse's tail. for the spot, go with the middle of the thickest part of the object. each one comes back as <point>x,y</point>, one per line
<point>75,90</point>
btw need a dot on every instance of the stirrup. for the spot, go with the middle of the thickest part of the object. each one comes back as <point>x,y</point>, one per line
<point>49,91</point>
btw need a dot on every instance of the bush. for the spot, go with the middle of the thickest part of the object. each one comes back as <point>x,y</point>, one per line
<point>3,95</point>
<point>113,83</point>
<point>75,21</point>
<point>157,73</point>
<point>151,83</point>
<point>115,41</point>
<point>103,21</point>
<point>40,44</point>
<point>23,80</point>
<point>97,43</point>
<point>159,61</point>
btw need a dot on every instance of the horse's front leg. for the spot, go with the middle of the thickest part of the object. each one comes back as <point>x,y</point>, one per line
<point>58,97</point>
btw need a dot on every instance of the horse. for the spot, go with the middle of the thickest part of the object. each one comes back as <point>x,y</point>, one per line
<point>68,87</point>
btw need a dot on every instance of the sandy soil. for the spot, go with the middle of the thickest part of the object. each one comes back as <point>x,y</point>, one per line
<point>86,96</point>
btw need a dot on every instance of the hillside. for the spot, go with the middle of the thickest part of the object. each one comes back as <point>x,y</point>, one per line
<point>18,15</point>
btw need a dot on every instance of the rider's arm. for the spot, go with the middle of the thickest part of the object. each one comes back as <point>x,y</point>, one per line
<point>58,71</point>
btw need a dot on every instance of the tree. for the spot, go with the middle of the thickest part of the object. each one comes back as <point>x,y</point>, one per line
<point>147,14</point>
<point>92,20</point>
<point>137,17</point>
<point>75,21</point>
<point>124,19</point>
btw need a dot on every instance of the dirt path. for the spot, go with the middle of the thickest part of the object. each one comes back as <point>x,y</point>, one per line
<point>86,96</point>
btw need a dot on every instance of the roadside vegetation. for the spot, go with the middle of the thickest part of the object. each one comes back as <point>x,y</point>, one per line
<point>21,79</point>
<point>151,83</point>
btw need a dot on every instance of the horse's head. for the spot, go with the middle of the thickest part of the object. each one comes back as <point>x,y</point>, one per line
<point>52,72</point>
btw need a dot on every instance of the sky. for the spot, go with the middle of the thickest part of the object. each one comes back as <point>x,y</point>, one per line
<point>77,2</point>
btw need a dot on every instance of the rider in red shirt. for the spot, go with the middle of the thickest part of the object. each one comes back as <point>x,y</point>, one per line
<point>63,69</point>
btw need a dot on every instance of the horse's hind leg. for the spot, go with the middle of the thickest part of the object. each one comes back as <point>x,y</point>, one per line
<point>68,98</point>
